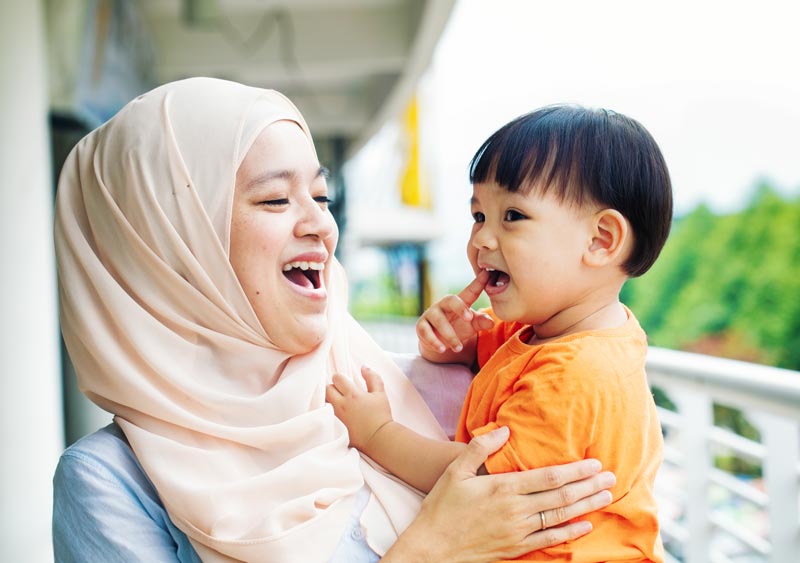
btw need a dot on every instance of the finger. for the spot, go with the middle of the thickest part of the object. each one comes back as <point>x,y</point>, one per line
<point>471,293</point>
<point>550,478</point>
<point>554,536</point>
<point>332,394</point>
<point>444,329</point>
<point>343,384</point>
<point>555,516</point>
<point>372,379</point>
<point>560,504</point>
<point>427,337</point>
<point>482,321</point>
<point>455,308</point>
<point>478,449</point>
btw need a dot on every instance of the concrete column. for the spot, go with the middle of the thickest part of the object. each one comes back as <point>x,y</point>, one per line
<point>31,433</point>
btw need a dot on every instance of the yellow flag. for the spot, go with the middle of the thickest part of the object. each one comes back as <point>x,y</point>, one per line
<point>414,190</point>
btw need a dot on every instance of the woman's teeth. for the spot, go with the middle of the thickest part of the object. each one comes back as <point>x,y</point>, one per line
<point>304,266</point>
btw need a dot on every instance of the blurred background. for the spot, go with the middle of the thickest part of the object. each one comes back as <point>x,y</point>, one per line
<point>399,94</point>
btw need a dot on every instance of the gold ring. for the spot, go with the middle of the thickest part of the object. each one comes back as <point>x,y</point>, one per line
<point>543,519</point>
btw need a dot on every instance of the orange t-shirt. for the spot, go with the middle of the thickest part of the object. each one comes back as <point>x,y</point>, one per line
<point>581,396</point>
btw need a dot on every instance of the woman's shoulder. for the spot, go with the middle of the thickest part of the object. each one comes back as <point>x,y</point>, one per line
<point>104,455</point>
<point>105,508</point>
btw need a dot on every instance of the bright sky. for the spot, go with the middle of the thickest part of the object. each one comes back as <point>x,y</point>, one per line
<point>717,83</point>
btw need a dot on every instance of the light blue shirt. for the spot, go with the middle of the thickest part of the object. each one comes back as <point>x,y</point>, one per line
<point>105,509</point>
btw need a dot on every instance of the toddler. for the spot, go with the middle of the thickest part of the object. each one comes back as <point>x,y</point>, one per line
<point>568,203</point>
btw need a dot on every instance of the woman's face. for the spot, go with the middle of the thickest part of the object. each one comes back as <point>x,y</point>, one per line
<point>283,236</point>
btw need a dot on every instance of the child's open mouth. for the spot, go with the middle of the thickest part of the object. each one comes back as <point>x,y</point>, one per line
<point>498,281</point>
<point>304,274</point>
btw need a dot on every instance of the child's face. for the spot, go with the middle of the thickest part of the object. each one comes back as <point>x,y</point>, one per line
<point>535,245</point>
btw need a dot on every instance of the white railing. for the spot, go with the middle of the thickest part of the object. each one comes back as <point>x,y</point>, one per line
<point>710,514</point>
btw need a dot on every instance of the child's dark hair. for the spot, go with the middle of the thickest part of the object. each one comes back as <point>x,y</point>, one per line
<point>586,156</point>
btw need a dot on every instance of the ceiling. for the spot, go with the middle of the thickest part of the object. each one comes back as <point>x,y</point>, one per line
<point>349,65</point>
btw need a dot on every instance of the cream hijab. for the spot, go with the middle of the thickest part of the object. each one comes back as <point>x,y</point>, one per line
<point>249,460</point>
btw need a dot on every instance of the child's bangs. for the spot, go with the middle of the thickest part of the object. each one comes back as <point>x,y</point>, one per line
<point>540,155</point>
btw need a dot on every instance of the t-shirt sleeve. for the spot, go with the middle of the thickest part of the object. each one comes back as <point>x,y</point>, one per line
<point>98,517</point>
<point>552,416</point>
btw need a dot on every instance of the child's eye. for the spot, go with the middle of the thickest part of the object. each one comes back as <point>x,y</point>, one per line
<point>324,200</point>
<point>479,217</point>
<point>514,215</point>
<point>275,202</point>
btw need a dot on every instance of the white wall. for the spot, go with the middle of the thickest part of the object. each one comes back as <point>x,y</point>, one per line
<point>30,396</point>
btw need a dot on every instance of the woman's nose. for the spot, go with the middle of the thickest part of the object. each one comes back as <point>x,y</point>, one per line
<point>315,221</point>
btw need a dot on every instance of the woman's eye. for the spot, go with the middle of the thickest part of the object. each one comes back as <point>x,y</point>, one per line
<point>513,215</point>
<point>275,202</point>
<point>479,217</point>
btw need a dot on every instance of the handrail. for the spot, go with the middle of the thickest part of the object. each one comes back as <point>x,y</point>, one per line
<point>770,398</point>
<point>740,383</point>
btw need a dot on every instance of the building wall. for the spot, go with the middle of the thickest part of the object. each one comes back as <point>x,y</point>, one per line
<point>31,434</point>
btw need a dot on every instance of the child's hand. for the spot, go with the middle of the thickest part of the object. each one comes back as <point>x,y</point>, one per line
<point>363,412</point>
<point>450,322</point>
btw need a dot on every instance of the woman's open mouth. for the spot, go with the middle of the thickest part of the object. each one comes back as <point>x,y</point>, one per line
<point>304,274</point>
<point>498,282</point>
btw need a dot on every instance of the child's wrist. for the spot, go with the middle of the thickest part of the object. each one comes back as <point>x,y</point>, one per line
<point>371,442</point>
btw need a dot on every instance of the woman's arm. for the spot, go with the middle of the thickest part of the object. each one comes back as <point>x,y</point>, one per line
<point>471,519</point>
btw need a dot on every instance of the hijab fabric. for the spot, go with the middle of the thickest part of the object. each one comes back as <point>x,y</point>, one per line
<point>248,459</point>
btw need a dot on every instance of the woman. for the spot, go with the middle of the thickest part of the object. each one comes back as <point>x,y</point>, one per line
<point>201,304</point>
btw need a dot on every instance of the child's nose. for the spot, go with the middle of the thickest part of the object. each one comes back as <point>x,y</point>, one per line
<point>484,238</point>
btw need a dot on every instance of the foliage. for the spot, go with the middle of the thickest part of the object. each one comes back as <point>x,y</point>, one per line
<point>728,284</point>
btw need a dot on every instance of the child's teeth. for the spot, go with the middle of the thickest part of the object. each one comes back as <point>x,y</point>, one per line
<point>500,284</point>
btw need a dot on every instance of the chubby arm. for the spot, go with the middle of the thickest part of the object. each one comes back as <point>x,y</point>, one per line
<point>448,329</point>
<point>448,529</point>
<point>416,459</point>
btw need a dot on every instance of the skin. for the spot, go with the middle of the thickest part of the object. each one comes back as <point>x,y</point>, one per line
<point>555,255</point>
<point>563,264</point>
<point>280,215</point>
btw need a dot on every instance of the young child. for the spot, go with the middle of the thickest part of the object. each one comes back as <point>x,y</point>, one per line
<point>568,204</point>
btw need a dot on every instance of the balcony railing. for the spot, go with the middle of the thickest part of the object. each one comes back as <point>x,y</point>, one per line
<point>710,514</point>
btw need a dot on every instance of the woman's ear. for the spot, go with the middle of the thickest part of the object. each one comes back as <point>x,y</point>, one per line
<point>610,234</point>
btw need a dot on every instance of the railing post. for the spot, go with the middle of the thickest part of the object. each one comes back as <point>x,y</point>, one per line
<point>781,436</point>
<point>698,417</point>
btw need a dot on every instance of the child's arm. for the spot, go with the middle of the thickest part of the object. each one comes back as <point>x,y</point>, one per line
<point>448,329</point>
<point>417,460</point>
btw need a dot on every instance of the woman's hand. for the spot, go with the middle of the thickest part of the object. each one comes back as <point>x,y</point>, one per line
<point>471,519</point>
<point>447,329</point>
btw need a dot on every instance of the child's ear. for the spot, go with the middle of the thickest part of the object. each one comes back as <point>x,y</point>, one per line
<point>610,231</point>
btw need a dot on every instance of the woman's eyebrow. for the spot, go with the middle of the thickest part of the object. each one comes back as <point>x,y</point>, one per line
<point>266,177</point>
<point>288,175</point>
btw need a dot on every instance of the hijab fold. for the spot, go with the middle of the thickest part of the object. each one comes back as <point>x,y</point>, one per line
<point>248,459</point>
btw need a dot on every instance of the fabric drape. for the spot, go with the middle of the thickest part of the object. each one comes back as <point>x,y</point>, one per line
<point>235,434</point>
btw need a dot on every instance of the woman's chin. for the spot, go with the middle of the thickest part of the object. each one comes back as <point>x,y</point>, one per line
<point>301,335</point>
